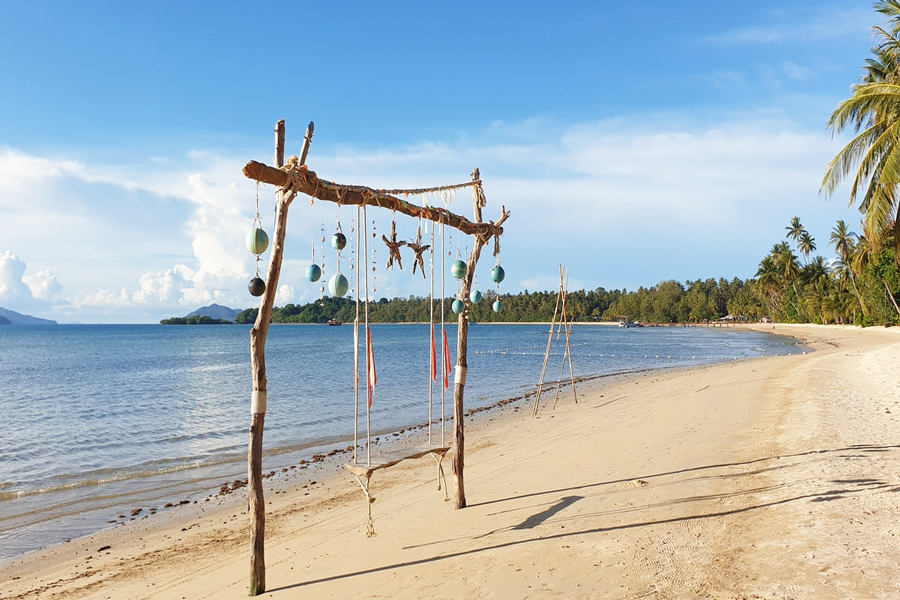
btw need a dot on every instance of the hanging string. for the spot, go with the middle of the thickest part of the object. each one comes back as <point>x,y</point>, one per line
<point>312,205</point>
<point>258,223</point>
<point>369,382</point>
<point>356,353</point>
<point>322,257</point>
<point>444,346</point>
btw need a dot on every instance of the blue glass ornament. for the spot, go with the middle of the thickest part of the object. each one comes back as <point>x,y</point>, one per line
<point>458,269</point>
<point>497,274</point>
<point>458,306</point>
<point>339,241</point>
<point>475,297</point>
<point>313,272</point>
<point>338,285</point>
<point>257,241</point>
<point>498,306</point>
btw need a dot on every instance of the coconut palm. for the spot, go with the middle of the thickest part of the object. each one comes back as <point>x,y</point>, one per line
<point>794,230</point>
<point>768,280</point>
<point>806,244</point>
<point>844,242</point>
<point>786,262</point>
<point>873,113</point>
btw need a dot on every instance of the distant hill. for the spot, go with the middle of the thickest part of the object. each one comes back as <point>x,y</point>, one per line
<point>15,318</point>
<point>5,321</point>
<point>215,311</point>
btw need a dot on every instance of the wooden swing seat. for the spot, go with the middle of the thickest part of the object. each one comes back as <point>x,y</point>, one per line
<point>363,473</point>
<point>392,458</point>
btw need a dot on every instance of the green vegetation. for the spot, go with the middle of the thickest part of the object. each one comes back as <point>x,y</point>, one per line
<point>873,113</point>
<point>790,286</point>
<point>195,320</point>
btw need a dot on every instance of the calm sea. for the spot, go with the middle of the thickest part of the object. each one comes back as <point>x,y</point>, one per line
<point>99,419</point>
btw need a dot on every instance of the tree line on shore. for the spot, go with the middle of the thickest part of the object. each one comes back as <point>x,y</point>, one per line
<point>857,287</point>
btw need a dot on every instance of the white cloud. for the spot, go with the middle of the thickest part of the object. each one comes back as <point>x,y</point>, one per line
<point>12,287</point>
<point>43,284</point>
<point>823,25</point>
<point>18,290</point>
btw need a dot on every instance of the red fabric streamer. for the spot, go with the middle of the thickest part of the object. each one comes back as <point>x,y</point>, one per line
<point>433,356</point>
<point>370,365</point>
<point>446,361</point>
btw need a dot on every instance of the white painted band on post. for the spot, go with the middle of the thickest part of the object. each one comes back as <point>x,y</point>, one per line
<point>461,375</point>
<point>258,402</point>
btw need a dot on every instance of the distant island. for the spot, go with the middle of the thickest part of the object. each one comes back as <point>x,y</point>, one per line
<point>195,320</point>
<point>11,317</point>
<point>214,314</point>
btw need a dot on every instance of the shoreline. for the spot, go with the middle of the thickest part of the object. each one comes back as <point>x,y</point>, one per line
<point>118,504</point>
<point>638,464</point>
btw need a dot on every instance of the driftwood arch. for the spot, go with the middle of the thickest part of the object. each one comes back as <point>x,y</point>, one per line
<point>293,178</point>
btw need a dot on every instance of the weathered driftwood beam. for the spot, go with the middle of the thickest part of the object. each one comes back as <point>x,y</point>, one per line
<point>307,182</point>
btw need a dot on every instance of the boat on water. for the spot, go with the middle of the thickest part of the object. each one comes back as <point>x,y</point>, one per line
<point>629,324</point>
<point>334,322</point>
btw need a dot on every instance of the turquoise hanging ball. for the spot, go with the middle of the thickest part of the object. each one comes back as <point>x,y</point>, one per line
<point>313,272</point>
<point>458,306</point>
<point>338,285</point>
<point>339,241</point>
<point>257,286</point>
<point>257,240</point>
<point>458,269</point>
<point>475,297</point>
<point>497,275</point>
<point>498,306</point>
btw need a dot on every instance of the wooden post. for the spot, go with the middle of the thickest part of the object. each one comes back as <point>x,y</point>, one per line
<point>459,438</point>
<point>258,334</point>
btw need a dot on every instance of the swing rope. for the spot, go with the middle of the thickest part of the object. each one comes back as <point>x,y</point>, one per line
<point>356,349</point>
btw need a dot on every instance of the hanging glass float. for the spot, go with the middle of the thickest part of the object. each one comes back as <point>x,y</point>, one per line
<point>458,306</point>
<point>458,269</point>
<point>475,296</point>
<point>498,306</point>
<point>257,241</point>
<point>338,285</point>
<point>313,272</point>
<point>339,241</point>
<point>497,274</point>
<point>257,286</point>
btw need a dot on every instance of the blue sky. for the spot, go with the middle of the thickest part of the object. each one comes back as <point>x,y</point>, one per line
<point>633,142</point>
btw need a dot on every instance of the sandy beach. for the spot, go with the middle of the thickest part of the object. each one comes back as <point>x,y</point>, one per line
<point>772,478</point>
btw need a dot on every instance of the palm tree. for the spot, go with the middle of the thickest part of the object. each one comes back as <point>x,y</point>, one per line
<point>794,230</point>
<point>873,113</point>
<point>844,241</point>
<point>768,280</point>
<point>787,265</point>
<point>806,245</point>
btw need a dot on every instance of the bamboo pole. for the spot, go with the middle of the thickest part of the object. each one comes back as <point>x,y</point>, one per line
<point>540,387</point>
<point>258,334</point>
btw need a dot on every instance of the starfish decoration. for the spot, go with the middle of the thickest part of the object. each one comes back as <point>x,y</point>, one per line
<point>419,249</point>
<point>394,247</point>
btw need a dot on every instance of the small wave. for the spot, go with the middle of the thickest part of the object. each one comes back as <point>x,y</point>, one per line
<point>102,477</point>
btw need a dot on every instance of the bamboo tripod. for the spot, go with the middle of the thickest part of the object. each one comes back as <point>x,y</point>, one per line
<point>562,325</point>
